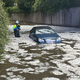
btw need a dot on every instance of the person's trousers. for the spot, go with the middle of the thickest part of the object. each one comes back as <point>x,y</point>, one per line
<point>16,33</point>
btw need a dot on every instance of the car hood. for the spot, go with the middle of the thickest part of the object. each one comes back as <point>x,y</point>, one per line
<point>48,36</point>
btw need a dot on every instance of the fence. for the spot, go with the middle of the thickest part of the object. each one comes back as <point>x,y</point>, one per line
<point>66,17</point>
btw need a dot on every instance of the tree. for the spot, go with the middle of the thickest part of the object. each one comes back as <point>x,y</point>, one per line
<point>3,29</point>
<point>52,6</point>
<point>25,5</point>
<point>9,3</point>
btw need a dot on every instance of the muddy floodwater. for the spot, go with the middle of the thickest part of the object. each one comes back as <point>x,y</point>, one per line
<point>24,59</point>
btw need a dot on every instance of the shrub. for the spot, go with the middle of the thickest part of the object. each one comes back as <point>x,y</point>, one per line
<point>10,10</point>
<point>3,28</point>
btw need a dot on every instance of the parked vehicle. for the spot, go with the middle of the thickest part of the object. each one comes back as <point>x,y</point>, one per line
<point>44,34</point>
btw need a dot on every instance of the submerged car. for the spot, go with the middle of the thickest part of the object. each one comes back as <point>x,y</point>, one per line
<point>44,34</point>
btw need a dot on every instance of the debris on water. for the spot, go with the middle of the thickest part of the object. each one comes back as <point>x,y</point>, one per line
<point>24,59</point>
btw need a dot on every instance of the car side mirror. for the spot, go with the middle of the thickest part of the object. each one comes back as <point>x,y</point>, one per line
<point>32,33</point>
<point>56,32</point>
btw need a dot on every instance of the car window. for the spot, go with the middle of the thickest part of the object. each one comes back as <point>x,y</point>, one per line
<point>33,30</point>
<point>44,31</point>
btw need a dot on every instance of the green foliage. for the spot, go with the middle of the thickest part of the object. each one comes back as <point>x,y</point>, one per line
<point>3,29</point>
<point>25,5</point>
<point>50,6</point>
<point>47,6</point>
<point>9,3</point>
<point>53,6</point>
<point>10,10</point>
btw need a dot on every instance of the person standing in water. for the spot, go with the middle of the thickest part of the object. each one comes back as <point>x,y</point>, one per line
<point>16,29</point>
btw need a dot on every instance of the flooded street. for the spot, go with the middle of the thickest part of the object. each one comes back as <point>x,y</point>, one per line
<point>24,59</point>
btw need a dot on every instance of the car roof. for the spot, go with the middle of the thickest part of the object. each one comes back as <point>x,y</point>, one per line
<point>38,27</point>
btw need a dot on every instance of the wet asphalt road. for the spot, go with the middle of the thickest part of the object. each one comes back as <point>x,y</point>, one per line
<point>24,59</point>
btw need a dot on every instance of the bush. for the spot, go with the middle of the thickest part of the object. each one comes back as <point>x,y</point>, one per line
<point>53,6</point>
<point>3,29</point>
<point>8,3</point>
<point>10,10</point>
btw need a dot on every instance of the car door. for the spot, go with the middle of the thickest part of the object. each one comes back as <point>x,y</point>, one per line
<point>32,34</point>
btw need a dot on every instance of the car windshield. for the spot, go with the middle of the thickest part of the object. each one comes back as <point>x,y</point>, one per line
<point>44,31</point>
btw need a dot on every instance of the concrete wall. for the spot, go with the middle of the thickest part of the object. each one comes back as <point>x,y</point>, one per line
<point>66,17</point>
